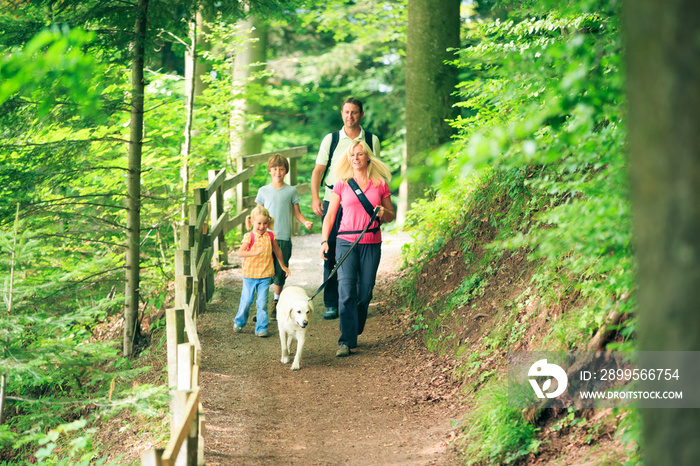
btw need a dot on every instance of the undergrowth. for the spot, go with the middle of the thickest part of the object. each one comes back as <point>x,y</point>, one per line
<point>538,168</point>
<point>496,433</point>
<point>57,416</point>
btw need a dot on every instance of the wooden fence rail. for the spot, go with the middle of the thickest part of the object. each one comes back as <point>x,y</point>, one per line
<point>202,246</point>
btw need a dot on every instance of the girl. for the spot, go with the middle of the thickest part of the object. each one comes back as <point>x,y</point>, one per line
<point>257,248</point>
<point>356,276</point>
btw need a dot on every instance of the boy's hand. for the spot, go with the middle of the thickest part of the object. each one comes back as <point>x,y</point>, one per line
<point>287,272</point>
<point>309,225</point>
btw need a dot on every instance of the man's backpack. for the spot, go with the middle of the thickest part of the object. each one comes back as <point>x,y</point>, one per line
<point>335,137</point>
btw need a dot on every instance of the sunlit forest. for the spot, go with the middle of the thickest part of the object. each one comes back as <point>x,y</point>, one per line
<point>536,130</point>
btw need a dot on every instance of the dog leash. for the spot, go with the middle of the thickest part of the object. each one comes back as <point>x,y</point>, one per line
<point>362,233</point>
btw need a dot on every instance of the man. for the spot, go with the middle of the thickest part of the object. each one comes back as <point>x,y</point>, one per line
<point>334,146</point>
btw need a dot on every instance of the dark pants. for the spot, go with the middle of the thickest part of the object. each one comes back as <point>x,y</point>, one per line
<point>356,277</point>
<point>330,292</point>
<point>286,246</point>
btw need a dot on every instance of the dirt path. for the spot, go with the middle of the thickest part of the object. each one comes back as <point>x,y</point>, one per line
<point>383,405</point>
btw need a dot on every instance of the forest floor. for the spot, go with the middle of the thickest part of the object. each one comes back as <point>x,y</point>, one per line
<point>390,402</point>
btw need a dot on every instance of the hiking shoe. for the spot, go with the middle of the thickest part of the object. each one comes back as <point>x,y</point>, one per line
<point>262,335</point>
<point>331,313</point>
<point>343,351</point>
<point>237,329</point>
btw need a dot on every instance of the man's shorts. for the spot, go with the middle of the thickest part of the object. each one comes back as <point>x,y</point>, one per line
<point>286,247</point>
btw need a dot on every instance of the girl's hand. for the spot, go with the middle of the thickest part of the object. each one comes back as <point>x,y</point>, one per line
<point>324,250</point>
<point>309,225</point>
<point>287,272</point>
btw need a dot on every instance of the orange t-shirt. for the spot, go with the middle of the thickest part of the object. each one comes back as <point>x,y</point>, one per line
<point>260,266</point>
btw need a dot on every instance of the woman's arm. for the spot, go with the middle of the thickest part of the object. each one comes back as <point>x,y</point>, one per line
<point>386,211</point>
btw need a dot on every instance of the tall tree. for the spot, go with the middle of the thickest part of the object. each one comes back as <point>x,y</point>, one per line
<point>244,138</point>
<point>433,28</point>
<point>663,58</point>
<point>133,200</point>
<point>249,61</point>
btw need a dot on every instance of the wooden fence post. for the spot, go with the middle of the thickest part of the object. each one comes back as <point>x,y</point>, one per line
<point>175,331</point>
<point>152,457</point>
<point>242,191</point>
<point>179,403</point>
<point>185,360</point>
<point>201,243</point>
<point>217,210</point>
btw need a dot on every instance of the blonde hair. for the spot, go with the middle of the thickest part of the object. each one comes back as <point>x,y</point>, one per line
<point>376,169</point>
<point>259,211</point>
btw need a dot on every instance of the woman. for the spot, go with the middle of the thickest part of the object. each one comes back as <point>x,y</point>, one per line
<point>357,274</point>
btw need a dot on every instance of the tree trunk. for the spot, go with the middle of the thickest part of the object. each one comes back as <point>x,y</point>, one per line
<point>244,138</point>
<point>195,67</point>
<point>190,76</point>
<point>433,27</point>
<point>133,199</point>
<point>663,62</point>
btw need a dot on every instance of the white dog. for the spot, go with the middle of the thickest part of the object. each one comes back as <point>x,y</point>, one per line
<point>293,314</point>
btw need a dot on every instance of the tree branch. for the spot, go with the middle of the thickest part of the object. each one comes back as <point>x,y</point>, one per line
<point>95,204</point>
<point>62,142</point>
<point>80,238</point>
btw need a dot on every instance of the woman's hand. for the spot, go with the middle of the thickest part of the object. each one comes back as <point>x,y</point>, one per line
<point>383,214</point>
<point>324,250</point>
<point>380,214</point>
<point>386,211</point>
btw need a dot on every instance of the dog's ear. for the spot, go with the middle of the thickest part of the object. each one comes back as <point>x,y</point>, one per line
<point>311,308</point>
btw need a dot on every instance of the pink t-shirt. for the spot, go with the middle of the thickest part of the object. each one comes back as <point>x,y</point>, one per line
<point>355,217</point>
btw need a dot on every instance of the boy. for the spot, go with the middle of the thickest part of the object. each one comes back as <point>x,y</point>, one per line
<point>280,198</point>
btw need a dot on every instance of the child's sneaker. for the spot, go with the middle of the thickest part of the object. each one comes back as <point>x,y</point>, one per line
<point>237,329</point>
<point>262,334</point>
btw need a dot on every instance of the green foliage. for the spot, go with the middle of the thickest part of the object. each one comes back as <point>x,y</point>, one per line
<point>495,433</point>
<point>347,49</point>
<point>54,57</point>
<point>630,434</point>
<point>432,222</point>
<point>60,272</point>
<point>539,165</point>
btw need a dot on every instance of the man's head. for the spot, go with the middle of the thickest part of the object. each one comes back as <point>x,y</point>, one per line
<point>352,113</point>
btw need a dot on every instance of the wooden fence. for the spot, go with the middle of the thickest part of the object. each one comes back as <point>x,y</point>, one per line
<point>202,247</point>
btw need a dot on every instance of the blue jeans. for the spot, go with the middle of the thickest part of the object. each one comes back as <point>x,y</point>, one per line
<point>250,287</point>
<point>356,277</point>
